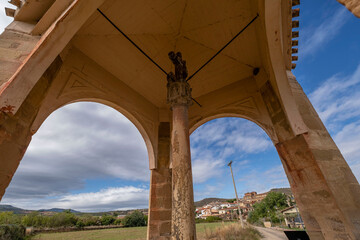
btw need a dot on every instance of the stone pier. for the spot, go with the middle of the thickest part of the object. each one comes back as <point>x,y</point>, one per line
<point>161,189</point>
<point>179,96</point>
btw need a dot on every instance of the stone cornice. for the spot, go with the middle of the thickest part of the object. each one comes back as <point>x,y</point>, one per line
<point>295,12</point>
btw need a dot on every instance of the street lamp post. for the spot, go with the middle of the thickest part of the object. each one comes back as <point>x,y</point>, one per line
<point>237,199</point>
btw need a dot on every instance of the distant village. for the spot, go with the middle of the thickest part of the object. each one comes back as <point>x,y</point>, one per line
<point>228,210</point>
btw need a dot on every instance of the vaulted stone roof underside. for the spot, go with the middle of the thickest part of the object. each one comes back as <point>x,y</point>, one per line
<point>198,29</point>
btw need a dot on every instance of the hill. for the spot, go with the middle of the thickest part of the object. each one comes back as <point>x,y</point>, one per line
<point>209,200</point>
<point>9,208</point>
<point>16,210</point>
<point>57,210</point>
<point>286,191</point>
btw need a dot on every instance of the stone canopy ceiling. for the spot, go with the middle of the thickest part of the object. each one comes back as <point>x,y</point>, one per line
<point>198,29</point>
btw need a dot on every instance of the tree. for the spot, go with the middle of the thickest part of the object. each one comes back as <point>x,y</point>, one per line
<point>33,219</point>
<point>107,220</point>
<point>275,200</point>
<point>135,219</point>
<point>9,218</point>
<point>267,208</point>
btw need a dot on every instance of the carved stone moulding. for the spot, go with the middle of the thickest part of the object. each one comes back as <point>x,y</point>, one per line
<point>179,93</point>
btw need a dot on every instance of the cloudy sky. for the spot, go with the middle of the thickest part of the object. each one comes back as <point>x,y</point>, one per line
<point>74,162</point>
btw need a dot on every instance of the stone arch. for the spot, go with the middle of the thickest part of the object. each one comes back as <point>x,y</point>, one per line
<point>267,129</point>
<point>45,113</point>
<point>51,92</point>
<point>73,85</point>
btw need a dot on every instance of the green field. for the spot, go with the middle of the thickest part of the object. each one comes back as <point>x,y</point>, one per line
<point>116,233</point>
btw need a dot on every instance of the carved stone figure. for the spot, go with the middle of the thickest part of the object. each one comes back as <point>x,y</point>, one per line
<point>181,72</point>
<point>179,91</point>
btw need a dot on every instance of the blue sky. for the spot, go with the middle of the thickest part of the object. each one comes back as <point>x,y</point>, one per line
<point>74,162</point>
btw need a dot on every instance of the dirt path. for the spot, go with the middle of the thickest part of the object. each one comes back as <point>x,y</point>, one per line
<point>271,234</point>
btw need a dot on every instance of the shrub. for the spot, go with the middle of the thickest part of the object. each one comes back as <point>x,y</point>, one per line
<point>117,221</point>
<point>80,223</point>
<point>33,220</point>
<point>200,220</point>
<point>9,218</point>
<point>107,220</point>
<point>12,232</point>
<point>135,219</point>
<point>90,220</point>
<point>63,219</point>
<point>213,219</point>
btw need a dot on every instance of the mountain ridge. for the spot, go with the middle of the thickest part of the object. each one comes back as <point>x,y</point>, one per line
<point>16,210</point>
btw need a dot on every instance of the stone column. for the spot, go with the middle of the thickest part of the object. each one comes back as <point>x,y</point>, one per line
<point>179,96</point>
<point>161,189</point>
<point>341,196</point>
<point>325,189</point>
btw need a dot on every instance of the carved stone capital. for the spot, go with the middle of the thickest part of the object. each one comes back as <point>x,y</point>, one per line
<point>179,93</point>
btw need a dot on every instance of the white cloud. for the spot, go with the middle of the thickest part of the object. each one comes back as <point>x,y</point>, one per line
<point>227,136</point>
<point>337,100</point>
<point>115,198</point>
<point>348,141</point>
<point>78,142</point>
<point>4,20</point>
<point>105,200</point>
<point>209,190</point>
<point>313,39</point>
<point>219,140</point>
<point>204,169</point>
<point>258,181</point>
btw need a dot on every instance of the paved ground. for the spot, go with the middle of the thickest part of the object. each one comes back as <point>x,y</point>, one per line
<point>272,234</point>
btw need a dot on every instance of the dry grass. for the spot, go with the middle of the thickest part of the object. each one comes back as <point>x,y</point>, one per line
<point>138,233</point>
<point>203,230</point>
<point>232,232</point>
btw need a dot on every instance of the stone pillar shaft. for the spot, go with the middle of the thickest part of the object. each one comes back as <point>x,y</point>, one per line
<point>325,189</point>
<point>337,206</point>
<point>179,96</point>
<point>161,189</point>
<point>183,215</point>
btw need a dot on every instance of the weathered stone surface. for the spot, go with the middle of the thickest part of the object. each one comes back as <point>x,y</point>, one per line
<point>179,96</point>
<point>352,5</point>
<point>183,216</point>
<point>15,134</point>
<point>14,48</point>
<point>276,112</point>
<point>160,205</point>
<point>320,177</point>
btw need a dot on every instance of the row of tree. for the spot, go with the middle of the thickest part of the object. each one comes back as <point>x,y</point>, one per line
<point>69,219</point>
